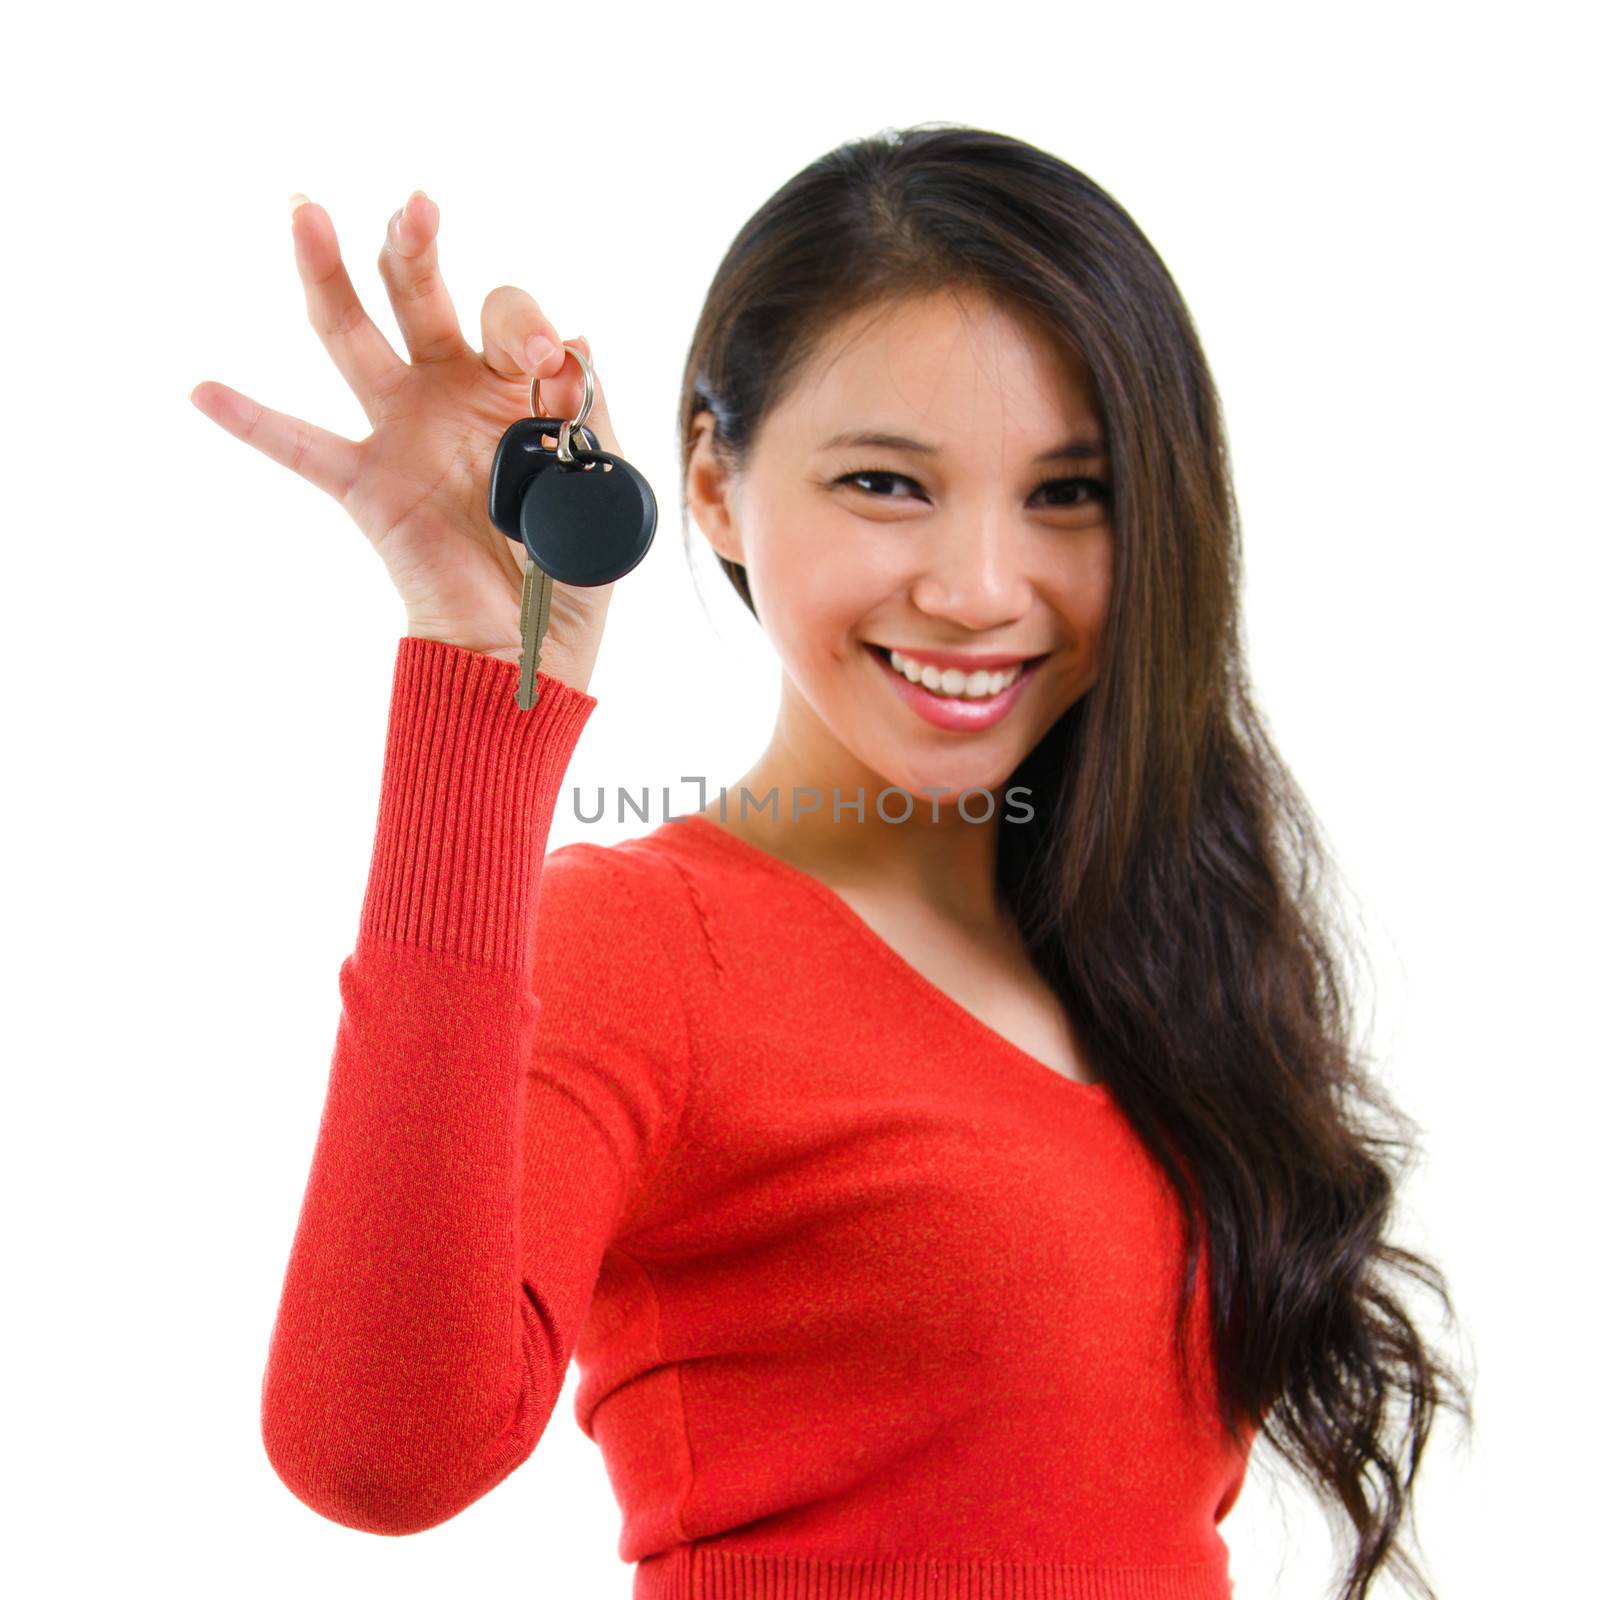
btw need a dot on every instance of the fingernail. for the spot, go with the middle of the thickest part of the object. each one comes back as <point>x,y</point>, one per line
<point>539,349</point>
<point>296,200</point>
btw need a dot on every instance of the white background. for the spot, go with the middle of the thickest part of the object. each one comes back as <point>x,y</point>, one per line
<point>1377,217</point>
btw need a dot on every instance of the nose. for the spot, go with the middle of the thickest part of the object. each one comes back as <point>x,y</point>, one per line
<point>973,573</point>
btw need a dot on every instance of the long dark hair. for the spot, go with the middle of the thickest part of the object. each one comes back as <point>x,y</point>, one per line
<point>1173,884</point>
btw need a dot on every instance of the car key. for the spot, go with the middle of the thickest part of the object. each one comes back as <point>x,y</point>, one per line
<point>521,454</point>
<point>585,516</point>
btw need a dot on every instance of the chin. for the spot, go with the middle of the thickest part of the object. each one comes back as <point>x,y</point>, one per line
<point>952,782</point>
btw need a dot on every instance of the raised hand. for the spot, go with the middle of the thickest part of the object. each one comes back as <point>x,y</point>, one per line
<point>416,486</point>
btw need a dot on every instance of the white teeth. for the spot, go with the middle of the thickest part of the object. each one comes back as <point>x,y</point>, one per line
<point>952,681</point>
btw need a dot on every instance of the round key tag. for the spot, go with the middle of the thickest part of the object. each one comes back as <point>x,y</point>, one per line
<point>589,523</point>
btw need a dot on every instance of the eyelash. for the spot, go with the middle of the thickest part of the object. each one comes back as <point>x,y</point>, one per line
<point>1097,485</point>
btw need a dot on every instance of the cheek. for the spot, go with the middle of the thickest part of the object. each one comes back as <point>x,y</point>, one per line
<point>821,586</point>
<point>1081,597</point>
<point>811,609</point>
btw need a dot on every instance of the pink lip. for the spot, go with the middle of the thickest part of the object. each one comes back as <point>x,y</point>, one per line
<point>959,716</point>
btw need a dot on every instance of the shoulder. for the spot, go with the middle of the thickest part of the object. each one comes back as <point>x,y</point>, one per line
<point>616,1035</point>
<point>612,1000</point>
<point>596,883</point>
<point>596,899</point>
<point>627,912</point>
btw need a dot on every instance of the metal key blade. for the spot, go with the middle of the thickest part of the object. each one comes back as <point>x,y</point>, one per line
<point>536,590</point>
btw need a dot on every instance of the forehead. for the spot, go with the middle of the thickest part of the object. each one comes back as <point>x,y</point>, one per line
<point>943,367</point>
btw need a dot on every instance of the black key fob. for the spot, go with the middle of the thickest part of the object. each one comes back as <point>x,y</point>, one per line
<point>520,455</point>
<point>589,522</point>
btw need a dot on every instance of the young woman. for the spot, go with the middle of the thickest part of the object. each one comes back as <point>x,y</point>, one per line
<point>945,1155</point>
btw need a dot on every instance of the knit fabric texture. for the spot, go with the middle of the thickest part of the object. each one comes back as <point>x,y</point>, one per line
<point>866,1302</point>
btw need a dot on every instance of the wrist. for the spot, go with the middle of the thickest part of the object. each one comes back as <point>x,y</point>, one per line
<point>551,661</point>
<point>551,664</point>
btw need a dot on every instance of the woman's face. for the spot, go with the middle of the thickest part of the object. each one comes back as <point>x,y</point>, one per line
<point>967,538</point>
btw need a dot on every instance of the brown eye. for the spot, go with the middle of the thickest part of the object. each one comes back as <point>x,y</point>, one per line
<point>1082,491</point>
<point>855,480</point>
<point>1076,492</point>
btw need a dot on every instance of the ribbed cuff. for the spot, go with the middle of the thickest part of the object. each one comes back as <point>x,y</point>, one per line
<point>470,784</point>
<point>716,1572</point>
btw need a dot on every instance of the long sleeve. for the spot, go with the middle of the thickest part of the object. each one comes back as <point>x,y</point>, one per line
<point>507,1068</point>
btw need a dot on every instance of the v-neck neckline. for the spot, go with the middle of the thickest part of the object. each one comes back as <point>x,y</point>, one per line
<point>888,956</point>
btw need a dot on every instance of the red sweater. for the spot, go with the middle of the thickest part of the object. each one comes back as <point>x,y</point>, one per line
<point>865,1300</point>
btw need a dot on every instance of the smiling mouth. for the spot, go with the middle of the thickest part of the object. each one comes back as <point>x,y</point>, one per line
<point>991,674</point>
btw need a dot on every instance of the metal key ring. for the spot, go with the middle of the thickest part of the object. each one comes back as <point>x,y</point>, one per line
<point>564,437</point>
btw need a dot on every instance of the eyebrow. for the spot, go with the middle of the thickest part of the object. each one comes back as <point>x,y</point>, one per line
<point>1072,450</point>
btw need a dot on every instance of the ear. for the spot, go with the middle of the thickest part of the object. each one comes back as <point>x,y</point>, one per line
<point>708,489</point>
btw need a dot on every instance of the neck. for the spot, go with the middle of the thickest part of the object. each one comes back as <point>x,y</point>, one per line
<point>943,861</point>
